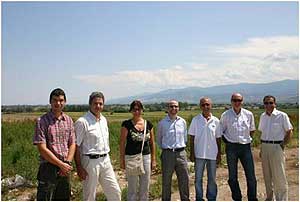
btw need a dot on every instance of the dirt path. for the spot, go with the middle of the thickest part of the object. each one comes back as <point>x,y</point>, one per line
<point>224,193</point>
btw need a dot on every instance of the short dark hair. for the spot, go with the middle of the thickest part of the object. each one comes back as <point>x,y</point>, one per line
<point>94,95</point>
<point>269,96</point>
<point>137,103</point>
<point>57,92</point>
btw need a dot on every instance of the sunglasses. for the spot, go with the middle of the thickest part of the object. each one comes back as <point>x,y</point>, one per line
<point>268,103</point>
<point>236,100</point>
<point>205,104</point>
<point>173,106</point>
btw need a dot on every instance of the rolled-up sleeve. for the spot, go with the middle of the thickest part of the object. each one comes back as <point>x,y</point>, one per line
<point>286,123</point>
<point>159,134</point>
<point>72,138</point>
<point>39,132</point>
<point>252,123</point>
<point>185,131</point>
<point>79,131</point>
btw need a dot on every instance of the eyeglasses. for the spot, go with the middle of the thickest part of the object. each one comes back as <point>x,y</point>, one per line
<point>136,109</point>
<point>236,100</point>
<point>205,104</point>
<point>173,106</point>
<point>268,103</point>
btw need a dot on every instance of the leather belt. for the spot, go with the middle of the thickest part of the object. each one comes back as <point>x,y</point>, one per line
<point>270,142</point>
<point>175,149</point>
<point>95,156</point>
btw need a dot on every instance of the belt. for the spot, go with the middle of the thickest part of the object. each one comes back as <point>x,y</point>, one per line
<point>271,141</point>
<point>95,156</point>
<point>238,143</point>
<point>175,149</point>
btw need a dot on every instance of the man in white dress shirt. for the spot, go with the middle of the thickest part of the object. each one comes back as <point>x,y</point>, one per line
<point>237,126</point>
<point>276,132</point>
<point>92,152</point>
<point>205,146</point>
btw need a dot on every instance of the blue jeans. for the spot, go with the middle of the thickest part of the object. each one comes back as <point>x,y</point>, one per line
<point>243,152</point>
<point>211,166</point>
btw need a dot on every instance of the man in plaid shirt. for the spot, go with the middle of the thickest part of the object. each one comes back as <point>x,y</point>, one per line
<point>55,140</point>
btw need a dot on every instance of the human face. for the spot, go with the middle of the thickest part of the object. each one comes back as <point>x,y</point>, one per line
<point>136,111</point>
<point>269,104</point>
<point>205,106</point>
<point>96,106</point>
<point>57,103</point>
<point>173,108</point>
<point>237,101</point>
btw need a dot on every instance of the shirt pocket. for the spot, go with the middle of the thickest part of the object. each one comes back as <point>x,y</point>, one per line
<point>180,130</point>
<point>276,127</point>
<point>246,123</point>
<point>51,135</point>
<point>212,127</point>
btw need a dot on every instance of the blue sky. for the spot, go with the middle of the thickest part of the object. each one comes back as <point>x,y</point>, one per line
<point>128,48</point>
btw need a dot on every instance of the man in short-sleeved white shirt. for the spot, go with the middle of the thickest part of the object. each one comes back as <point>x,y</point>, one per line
<point>237,126</point>
<point>92,152</point>
<point>276,132</point>
<point>205,149</point>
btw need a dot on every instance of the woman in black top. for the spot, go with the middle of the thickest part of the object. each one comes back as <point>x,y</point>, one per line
<point>132,133</point>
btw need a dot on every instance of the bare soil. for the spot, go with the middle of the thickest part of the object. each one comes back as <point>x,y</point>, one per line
<point>224,193</point>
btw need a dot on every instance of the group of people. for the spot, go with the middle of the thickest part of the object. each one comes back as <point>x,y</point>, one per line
<point>87,141</point>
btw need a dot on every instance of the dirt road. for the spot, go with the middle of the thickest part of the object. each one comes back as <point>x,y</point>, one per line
<point>224,193</point>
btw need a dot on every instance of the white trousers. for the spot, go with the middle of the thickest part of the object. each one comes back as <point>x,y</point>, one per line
<point>138,186</point>
<point>100,171</point>
<point>273,164</point>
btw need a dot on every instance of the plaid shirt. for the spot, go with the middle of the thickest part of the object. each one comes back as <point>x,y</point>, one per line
<point>57,134</point>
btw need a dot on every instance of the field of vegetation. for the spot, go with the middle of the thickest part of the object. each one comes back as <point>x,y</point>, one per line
<point>20,156</point>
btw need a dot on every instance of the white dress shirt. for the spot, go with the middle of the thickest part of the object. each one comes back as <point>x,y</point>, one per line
<point>274,127</point>
<point>92,136</point>
<point>205,145</point>
<point>236,127</point>
<point>172,134</point>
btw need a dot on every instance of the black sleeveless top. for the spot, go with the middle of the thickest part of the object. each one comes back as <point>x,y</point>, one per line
<point>135,138</point>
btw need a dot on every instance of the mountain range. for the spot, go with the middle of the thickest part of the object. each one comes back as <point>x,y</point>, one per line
<point>285,91</point>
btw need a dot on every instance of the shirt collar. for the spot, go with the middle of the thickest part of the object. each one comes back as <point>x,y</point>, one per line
<point>275,112</point>
<point>237,115</point>
<point>90,114</point>
<point>52,116</point>
<point>170,120</point>
<point>202,117</point>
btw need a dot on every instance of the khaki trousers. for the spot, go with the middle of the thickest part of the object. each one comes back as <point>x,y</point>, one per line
<point>273,164</point>
<point>100,171</point>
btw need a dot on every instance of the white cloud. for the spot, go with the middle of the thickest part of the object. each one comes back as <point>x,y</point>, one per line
<point>263,47</point>
<point>256,60</point>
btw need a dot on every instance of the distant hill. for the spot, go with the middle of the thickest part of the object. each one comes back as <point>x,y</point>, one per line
<point>286,91</point>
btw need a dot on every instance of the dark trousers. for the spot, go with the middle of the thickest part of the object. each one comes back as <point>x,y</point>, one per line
<point>51,186</point>
<point>174,161</point>
<point>242,152</point>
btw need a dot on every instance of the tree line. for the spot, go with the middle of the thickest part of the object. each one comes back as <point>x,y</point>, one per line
<point>122,108</point>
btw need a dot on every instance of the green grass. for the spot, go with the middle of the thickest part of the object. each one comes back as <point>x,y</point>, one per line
<point>20,156</point>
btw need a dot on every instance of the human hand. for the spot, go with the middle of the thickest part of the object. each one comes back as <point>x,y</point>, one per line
<point>81,172</point>
<point>65,168</point>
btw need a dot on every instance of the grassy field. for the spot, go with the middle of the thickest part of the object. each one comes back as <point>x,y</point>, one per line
<point>19,156</point>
